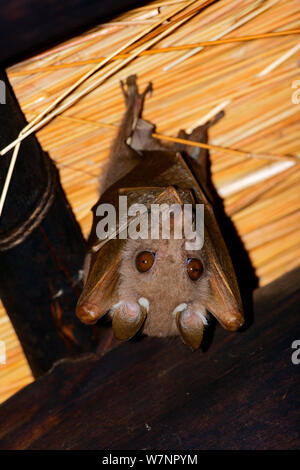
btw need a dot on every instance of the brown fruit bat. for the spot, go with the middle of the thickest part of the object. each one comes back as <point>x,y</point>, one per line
<point>157,284</point>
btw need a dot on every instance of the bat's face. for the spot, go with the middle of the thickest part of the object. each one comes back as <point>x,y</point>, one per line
<point>164,287</point>
<point>158,285</point>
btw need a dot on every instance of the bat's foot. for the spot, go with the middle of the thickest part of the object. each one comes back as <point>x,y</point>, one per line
<point>199,134</point>
<point>134,102</point>
<point>131,93</point>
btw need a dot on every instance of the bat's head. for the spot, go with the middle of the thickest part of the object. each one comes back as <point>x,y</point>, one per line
<point>160,285</point>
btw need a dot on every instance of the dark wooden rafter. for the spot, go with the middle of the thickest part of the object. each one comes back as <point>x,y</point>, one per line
<point>41,256</point>
<point>241,393</point>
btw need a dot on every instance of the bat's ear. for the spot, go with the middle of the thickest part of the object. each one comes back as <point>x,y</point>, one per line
<point>100,290</point>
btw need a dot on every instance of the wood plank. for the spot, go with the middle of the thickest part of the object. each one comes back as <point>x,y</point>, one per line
<point>239,393</point>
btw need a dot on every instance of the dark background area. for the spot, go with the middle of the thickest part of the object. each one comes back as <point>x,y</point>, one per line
<point>30,26</point>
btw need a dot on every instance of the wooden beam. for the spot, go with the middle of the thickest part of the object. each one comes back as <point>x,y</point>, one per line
<point>41,251</point>
<point>241,393</point>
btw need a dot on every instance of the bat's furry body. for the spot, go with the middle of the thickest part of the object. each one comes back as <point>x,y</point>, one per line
<point>164,300</point>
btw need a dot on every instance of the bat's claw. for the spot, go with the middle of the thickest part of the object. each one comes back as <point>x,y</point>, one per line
<point>148,89</point>
<point>130,91</point>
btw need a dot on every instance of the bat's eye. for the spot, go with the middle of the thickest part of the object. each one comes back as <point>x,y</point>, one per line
<point>144,261</point>
<point>194,268</point>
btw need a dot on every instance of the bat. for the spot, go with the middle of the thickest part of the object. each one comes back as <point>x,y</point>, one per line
<point>158,285</point>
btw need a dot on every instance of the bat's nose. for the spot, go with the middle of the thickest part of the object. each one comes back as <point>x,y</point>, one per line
<point>171,259</point>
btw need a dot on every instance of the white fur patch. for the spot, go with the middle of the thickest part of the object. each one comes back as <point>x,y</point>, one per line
<point>92,314</point>
<point>58,294</point>
<point>179,308</point>
<point>116,306</point>
<point>203,318</point>
<point>144,303</point>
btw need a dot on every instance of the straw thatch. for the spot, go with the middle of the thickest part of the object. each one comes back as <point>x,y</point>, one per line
<point>251,80</point>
